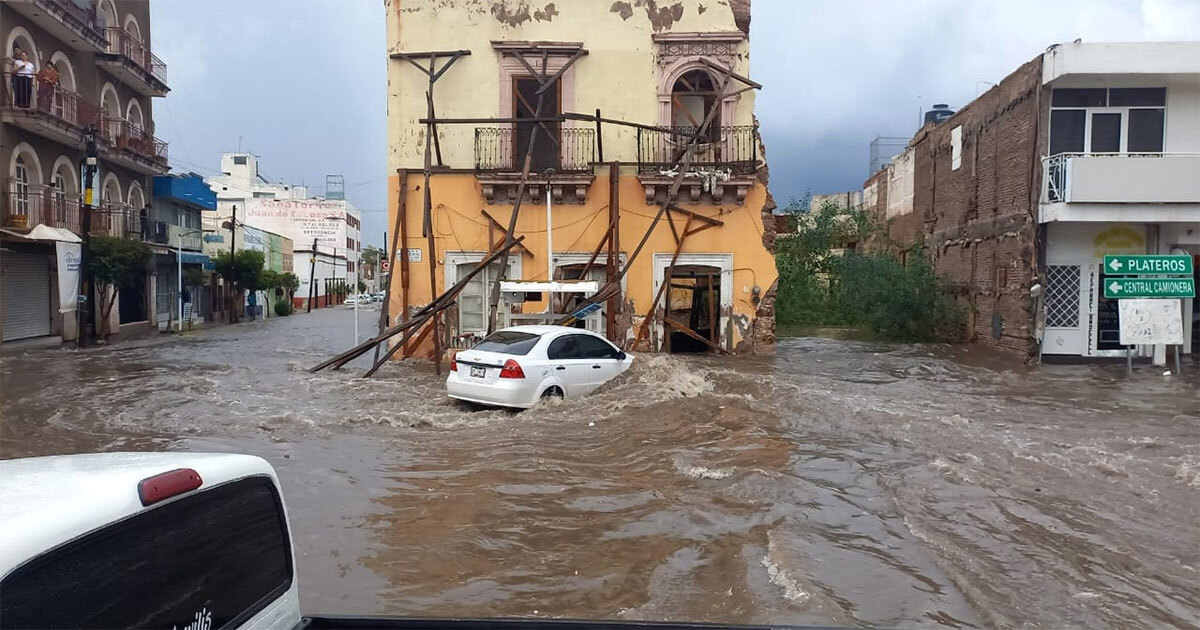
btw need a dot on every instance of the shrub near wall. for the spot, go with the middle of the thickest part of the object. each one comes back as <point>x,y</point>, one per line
<point>820,283</point>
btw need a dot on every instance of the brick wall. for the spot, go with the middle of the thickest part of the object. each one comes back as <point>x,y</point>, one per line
<point>979,222</point>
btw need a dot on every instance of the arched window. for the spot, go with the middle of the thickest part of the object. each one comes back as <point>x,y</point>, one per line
<point>692,95</point>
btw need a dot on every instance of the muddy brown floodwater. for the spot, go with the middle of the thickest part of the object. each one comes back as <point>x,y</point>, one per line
<point>838,482</point>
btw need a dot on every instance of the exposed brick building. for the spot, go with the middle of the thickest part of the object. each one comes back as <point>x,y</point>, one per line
<point>1035,180</point>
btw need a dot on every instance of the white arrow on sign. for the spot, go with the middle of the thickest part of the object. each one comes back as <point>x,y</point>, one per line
<point>1115,287</point>
<point>1116,264</point>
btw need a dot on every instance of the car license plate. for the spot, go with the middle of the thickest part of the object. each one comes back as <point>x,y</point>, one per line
<point>478,372</point>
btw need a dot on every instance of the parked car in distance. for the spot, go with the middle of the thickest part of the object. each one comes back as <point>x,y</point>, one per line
<point>350,300</point>
<point>517,366</point>
<point>173,540</point>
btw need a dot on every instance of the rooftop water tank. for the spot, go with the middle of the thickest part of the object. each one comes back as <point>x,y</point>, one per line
<point>940,112</point>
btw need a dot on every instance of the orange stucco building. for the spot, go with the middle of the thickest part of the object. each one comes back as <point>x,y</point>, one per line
<point>661,70</point>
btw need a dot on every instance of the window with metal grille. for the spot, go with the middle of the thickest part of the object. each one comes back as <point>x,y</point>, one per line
<point>1062,296</point>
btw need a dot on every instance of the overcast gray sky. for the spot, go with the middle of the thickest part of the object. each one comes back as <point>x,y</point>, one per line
<point>302,82</point>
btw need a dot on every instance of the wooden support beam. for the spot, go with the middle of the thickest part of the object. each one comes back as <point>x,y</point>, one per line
<point>494,300</point>
<point>432,127</point>
<point>694,215</point>
<point>418,318</point>
<point>694,335</point>
<point>729,71</point>
<point>436,53</point>
<point>662,289</point>
<point>493,223</point>
<point>549,82</point>
<point>614,241</point>
<point>490,121</point>
<point>458,54</point>
<point>397,227</point>
<point>410,345</point>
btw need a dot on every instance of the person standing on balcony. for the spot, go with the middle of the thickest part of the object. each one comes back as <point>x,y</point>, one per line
<point>22,79</point>
<point>47,87</point>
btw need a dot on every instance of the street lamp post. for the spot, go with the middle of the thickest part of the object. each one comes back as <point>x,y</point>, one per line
<point>179,273</point>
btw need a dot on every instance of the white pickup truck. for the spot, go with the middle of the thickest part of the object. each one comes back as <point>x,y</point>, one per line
<point>184,541</point>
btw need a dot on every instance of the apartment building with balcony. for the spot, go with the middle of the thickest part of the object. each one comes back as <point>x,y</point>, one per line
<point>1087,150</point>
<point>106,80</point>
<point>708,266</point>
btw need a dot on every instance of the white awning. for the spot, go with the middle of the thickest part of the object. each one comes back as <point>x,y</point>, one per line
<point>43,232</point>
<point>584,286</point>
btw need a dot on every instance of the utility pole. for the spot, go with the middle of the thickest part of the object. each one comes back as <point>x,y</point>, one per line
<point>312,271</point>
<point>89,181</point>
<point>232,255</point>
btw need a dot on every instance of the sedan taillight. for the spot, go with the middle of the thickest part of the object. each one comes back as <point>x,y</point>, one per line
<point>512,369</point>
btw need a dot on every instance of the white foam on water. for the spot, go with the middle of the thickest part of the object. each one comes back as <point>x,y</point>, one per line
<point>671,376</point>
<point>793,590</point>
<point>1188,471</point>
<point>701,472</point>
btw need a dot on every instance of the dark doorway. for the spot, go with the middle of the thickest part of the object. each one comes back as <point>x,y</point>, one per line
<point>131,301</point>
<point>1108,320</point>
<point>693,309</point>
<point>545,153</point>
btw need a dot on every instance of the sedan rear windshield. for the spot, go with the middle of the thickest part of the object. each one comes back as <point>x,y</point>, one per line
<point>508,342</point>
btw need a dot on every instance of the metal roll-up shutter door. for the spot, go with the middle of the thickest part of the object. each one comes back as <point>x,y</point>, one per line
<point>26,286</point>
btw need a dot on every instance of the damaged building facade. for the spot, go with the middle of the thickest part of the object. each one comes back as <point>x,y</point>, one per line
<point>1087,150</point>
<point>616,93</point>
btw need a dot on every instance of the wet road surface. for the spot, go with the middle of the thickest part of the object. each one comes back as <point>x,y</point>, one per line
<point>839,482</point>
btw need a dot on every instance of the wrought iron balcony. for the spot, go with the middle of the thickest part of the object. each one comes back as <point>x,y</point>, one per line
<point>502,149</point>
<point>30,207</point>
<point>723,148</point>
<point>66,20</point>
<point>131,60</point>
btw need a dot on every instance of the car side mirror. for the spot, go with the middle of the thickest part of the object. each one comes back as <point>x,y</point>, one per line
<point>620,355</point>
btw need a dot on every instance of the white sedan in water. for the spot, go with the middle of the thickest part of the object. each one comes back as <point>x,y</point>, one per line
<point>516,367</point>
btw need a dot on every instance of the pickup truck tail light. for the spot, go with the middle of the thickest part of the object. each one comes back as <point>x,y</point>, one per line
<point>512,369</point>
<point>161,487</point>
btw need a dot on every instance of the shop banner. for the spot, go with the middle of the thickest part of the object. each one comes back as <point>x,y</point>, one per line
<point>68,275</point>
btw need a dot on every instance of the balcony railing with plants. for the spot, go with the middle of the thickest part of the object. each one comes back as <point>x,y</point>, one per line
<point>502,149</point>
<point>721,148</point>
<point>120,42</point>
<point>127,136</point>
<point>25,209</point>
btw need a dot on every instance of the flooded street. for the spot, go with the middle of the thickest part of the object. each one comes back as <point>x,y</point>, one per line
<point>838,482</point>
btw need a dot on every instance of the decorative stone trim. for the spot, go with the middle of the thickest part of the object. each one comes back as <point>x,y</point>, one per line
<point>565,188</point>
<point>694,191</point>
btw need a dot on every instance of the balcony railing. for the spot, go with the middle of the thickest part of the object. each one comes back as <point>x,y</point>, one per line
<point>23,210</point>
<point>1121,178</point>
<point>120,42</point>
<point>502,149</point>
<point>48,99</point>
<point>127,136</point>
<point>733,148</point>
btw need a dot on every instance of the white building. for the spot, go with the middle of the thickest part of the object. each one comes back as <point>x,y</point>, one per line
<point>1121,175</point>
<point>326,233</point>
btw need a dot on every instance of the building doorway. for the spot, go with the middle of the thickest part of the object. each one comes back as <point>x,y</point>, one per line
<point>692,309</point>
<point>690,314</point>
<point>131,302</point>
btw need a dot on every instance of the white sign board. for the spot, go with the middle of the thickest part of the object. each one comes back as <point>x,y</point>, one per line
<point>68,274</point>
<point>1150,322</point>
<point>414,255</point>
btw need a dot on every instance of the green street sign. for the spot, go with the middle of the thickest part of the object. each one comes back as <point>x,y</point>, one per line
<point>1117,288</point>
<point>1148,265</point>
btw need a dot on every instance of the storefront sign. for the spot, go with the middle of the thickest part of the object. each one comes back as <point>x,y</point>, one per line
<point>1148,265</point>
<point>1123,288</point>
<point>1151,322</point>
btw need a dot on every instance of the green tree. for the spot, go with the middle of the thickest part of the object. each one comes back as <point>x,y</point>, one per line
<point>371,256</point>
<point>116,264</point>
<point>825,278</point>
<point>362,286</point>
<point>242,271</point>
